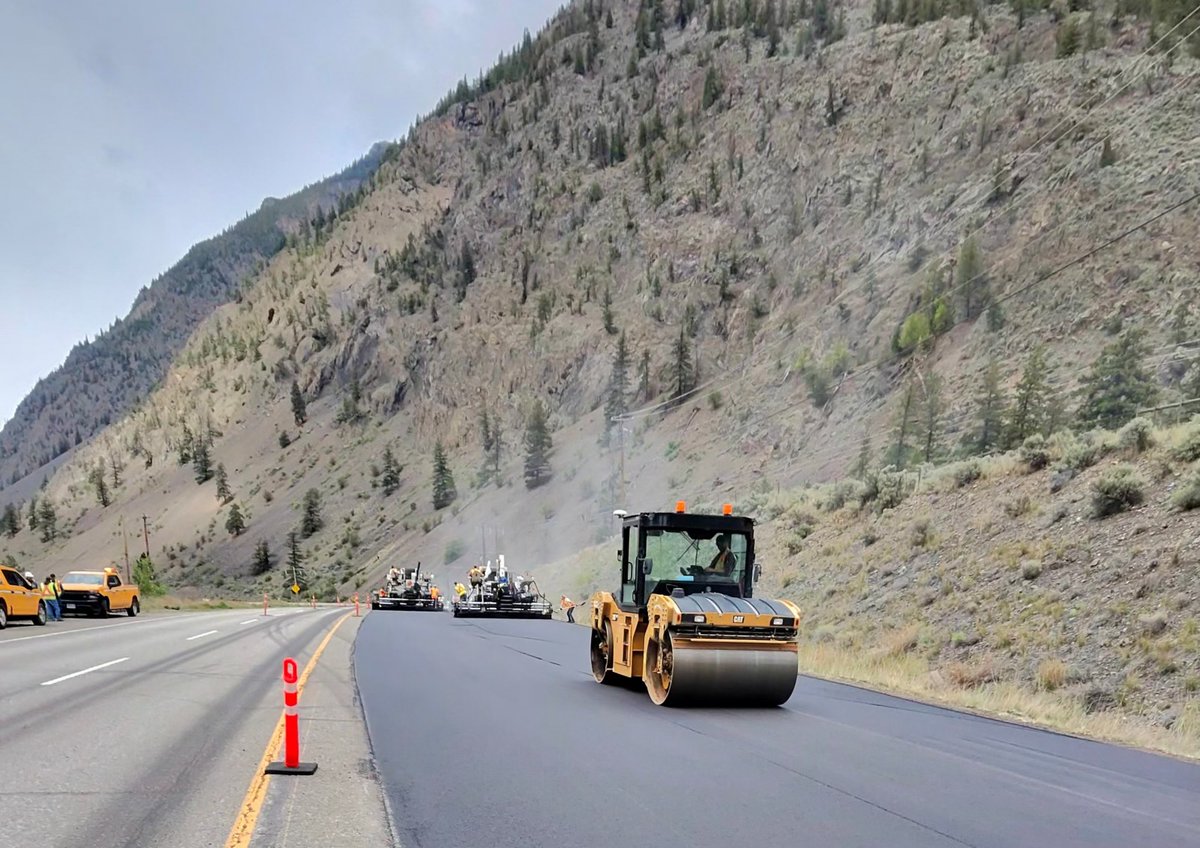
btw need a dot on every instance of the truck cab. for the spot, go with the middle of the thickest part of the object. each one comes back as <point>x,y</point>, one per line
<point>98,593</point>
<point>19,600</point>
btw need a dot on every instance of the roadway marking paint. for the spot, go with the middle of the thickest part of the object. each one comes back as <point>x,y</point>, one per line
<point>198,635</point>
<point>85,671</point>
<point>243,827</point>
<point>100,627</point>
<point>250,621</point>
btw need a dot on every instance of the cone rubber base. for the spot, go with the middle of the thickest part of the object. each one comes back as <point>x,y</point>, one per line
<point>280,768</point>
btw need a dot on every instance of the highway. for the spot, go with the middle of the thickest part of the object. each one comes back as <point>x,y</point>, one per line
<point>492,732</point>
<point>140,732</point>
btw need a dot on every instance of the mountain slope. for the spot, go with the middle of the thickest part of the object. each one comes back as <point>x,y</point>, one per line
<point>101,379</point>
<point>788,213</point>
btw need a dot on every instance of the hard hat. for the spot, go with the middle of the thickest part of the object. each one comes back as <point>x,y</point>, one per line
<point>29,575</point>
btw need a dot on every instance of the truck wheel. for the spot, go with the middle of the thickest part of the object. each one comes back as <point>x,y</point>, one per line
<point>3,616</point>
<point>134,608</point>
<point>104,608</point>
<point>40,620</point>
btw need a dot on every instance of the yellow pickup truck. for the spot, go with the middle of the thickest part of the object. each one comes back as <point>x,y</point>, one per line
<point>19,599</point>
<point>98,593</point>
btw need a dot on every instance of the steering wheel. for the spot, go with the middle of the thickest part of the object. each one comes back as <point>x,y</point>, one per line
<point>693,570</point>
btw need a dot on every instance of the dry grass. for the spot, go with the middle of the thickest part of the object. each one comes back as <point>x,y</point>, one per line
<point>1051,674</point>
<point>170,602</point>
<point>969,675</point>
<point>910,675</point>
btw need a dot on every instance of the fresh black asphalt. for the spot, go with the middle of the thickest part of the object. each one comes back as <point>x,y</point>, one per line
<point>493,733</point>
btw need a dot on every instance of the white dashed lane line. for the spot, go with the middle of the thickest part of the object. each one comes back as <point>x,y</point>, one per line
<point>201,635</point>
<point>85,671</point>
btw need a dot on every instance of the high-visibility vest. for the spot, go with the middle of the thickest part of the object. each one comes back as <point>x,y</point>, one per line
<point>433,593</point>
<point>460,589</point>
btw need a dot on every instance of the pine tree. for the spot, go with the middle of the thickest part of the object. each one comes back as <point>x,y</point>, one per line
<point>491,438</point>
<point>1118,384</point>
<point>202,462</point>
<point>236,522</point>
<point>643,389</point>
<point>537,447</point>
<point>444,490</point>
<point>865,458</point>
<point>931,408</point>
<point>1028,412</point>
<point>223,493</point>
<point>116,469</point>
<point>33,513</point>
<point>618,387</point>
<point>971,279</point>
<point>299,408</point>
<point>295,560</point>
<point>11,523</point>
<point>310,517</point>
<point>609,326</point>
<point>47,520</point>
<point>262,557</point>
<point>391,472</point>
<point>684,374</point>
<point>989,404</point>
<point>906,414</point>
<point>186,440</point>
<point>99,485</point>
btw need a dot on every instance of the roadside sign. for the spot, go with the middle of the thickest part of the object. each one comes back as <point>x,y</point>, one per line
<point>296,588</point>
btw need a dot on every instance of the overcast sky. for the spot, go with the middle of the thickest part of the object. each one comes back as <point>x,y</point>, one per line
<point>131,129</point>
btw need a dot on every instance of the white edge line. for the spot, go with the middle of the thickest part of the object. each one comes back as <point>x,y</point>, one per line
<point>198,635</point>
<point>155,620</point>
<point>85,671</point>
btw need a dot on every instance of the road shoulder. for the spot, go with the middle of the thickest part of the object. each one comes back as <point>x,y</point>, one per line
<point>343,802</point>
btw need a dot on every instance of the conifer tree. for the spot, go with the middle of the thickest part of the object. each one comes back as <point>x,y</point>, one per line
<point>616,402</point>
<point>236,522</point>
<point>537,447</point>
<point>865,458</point>
<point>310,517</point>
<point>643,388</point>
<point>1118,384</point>
<point>10,525</point>
<point>295,562</point>
<point>1028,412</point>
<point>47,520</point>
<point>989,404</point>
<point>610,326</point>
<point>906,417</point>
<point>490,438</point>
<point>391,472</point>
<point>299,407</point>
<point>262,557</point>
<point>932,407</point>
<point>186,442</point>
<point>971,279</point>
<point>100,485</point>
<point>684,373</point>
<point>202,462</point>
<point>444,491</point>
<point>33,512</point>
<point>223,493</point>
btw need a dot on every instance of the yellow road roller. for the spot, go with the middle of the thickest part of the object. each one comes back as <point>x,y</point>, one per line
<point>685,620</point>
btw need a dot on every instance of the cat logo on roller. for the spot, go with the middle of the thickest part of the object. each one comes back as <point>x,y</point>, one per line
<point>685,621</point>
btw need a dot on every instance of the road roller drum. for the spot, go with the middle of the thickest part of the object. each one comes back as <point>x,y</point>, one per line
<point>685,621</point>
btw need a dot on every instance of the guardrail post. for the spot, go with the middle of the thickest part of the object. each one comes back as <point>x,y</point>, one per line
<point>291,727</point>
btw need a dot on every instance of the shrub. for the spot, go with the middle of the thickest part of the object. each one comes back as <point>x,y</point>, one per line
<point>1051,674</point>
<point>1188,449</point>
<point>1079,456</point>
<point>454,549</point>
<point>967,675</point>
<point>1018,506</point>
<point>839,495</point>
<point>1137,436</point>
<point>922,535</point>
<point>892,487</point>
<point>1117,490</point>
<point>715,400</point>
<point>966,473</point>
<point>1187,496</point>
<point>1034,453</point>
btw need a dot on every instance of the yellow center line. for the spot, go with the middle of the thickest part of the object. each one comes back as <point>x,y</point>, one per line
<point>243,827</point>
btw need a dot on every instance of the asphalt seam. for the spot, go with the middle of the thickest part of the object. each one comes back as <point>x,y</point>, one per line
<point>390,814</point>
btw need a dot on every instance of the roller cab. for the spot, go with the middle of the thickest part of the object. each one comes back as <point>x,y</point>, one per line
<point>685,621</point>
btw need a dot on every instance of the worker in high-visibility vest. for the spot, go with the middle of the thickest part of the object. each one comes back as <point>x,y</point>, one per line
<point>50,594</point>
<point>569,606</point>
<point>460,590</point>
<point>434,592</point>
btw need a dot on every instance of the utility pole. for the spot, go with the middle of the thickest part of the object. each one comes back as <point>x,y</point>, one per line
<point>621,441</point>
<point>125,539</point>
<point>146,533</point>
